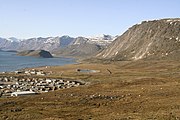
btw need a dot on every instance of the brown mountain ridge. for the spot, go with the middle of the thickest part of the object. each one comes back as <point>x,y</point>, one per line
<point>157,39</point>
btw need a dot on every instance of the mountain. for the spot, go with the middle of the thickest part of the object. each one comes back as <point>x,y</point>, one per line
<point>65,41</point>
<point>13,39</point>
<point>36,53</point>
<point>156,39</point>
<point>80,47</point>
<point>8,44</point>
<point>55,43</point>
<point>102,40</point>
<point>85,47</point>
<point>2,42</point>
<point>49,43</point>
<point>80,40</point>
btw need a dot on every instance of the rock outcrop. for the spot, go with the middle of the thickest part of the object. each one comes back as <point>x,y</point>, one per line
<point>36,53</point>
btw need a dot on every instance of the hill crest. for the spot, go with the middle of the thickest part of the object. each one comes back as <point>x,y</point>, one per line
<point>154,39</point>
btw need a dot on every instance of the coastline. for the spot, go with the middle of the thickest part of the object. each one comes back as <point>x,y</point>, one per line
<point>16,62</point>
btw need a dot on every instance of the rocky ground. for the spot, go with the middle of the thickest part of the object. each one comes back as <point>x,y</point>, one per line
<point>138,90</point>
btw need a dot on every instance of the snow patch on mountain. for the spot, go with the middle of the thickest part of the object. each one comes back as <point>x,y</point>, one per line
<point>13,39</point>
<point>50,40</point>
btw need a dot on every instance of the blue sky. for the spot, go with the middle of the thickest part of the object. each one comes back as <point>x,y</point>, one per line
<point>35,18</point>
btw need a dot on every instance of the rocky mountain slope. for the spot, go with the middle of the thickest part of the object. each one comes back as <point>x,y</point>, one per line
<point>83,47</point>
<point>6,44</point>
<point>80,47</point>
<point>36,53</point>
<point>157,39</point>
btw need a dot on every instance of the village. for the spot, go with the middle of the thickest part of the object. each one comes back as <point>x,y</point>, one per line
<point>21,86</point>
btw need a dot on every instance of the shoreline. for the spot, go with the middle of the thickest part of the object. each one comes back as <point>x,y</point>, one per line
<point>21,62</point>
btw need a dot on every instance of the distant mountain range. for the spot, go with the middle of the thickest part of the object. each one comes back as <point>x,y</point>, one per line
<point>64,45</point>
<point>156,39</point>
<point>40,43</point>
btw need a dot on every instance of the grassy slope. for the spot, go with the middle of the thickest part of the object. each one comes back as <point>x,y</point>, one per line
<point>134,90</point>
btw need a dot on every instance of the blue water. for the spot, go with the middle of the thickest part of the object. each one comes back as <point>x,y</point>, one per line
<point>9,61</point>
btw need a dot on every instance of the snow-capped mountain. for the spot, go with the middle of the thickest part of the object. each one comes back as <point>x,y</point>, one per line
<point>64,45</point>
<point>13,39</point>
<point>102,40</point>
<point>49,43</point>
<point>86,47</point>
<point>102,37</point>
<point>8,44</point>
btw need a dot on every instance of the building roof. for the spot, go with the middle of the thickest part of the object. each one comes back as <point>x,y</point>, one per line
<point>24,92</point>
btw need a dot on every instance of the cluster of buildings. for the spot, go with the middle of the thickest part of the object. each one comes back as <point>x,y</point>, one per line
<point>31,72</point>
<point>17,86</point>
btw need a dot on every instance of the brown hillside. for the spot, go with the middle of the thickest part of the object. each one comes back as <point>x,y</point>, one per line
<point>150,39</point>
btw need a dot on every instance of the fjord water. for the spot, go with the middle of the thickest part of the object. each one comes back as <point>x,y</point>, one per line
<point>9,61</point>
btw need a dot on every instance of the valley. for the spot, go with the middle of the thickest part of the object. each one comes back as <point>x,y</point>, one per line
<point>133,90</point>
<point>132,76</point>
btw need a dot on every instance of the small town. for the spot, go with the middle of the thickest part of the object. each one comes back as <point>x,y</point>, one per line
<point>21,86</point>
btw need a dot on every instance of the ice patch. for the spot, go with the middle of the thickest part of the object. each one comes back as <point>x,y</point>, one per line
<point>50,40</point>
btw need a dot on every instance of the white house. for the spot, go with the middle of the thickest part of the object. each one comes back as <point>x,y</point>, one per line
<point>40,73</point>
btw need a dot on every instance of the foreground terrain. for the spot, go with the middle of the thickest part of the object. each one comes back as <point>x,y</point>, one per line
<point>116,91</point>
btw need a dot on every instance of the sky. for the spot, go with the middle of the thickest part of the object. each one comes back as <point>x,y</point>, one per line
<point>43,18</point>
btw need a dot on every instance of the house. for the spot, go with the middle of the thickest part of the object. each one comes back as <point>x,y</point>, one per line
<point>48,80</point>
<point>27,72</point>
<point>33,72</point>
<point>40,73</point>
<point>23,93</point>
